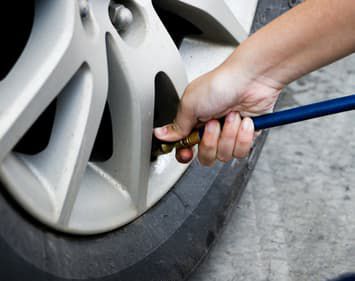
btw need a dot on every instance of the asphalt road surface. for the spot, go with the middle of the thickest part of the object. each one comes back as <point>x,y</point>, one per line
<point>296,219</point>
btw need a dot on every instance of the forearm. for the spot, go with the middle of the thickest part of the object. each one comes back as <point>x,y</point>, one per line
<point>309,36</point>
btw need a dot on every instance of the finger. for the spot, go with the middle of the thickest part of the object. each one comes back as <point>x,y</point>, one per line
<point>228,137</point>
<point>207,151</point>
<point>183,124</point>
<point>244,139</point>
<point>184,155</point>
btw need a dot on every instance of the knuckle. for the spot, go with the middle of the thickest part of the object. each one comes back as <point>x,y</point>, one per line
<point>240,154</point>
<point>221,156</point>
<point>224,153</point>
<point>207,147</point>
<point>178,129</point>
<point>244,142</point>
<point>187,103</point>
<point>184,102</point>
<point>205,162</point>
<point>224,159</point>
<point>211,164</point>
<point>229,133</point>
<point>206,159</point>
<point>227,145</point>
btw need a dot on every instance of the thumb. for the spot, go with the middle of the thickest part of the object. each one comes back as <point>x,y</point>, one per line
<point>184,122</point>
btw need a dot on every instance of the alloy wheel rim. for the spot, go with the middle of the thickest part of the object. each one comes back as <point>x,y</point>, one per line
<point>77,57</point>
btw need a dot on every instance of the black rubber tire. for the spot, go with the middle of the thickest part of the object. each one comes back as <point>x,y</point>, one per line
<point>165,244</point>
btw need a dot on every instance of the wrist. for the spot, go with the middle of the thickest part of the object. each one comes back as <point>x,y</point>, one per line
<point>246,64</point>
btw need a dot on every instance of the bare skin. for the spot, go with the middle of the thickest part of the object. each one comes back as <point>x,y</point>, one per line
<point>314,34</point>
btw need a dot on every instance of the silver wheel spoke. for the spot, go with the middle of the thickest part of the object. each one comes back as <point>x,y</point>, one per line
<point>44,68</point>
<point>16,174</point>
<point>131,99</point>
<point>64,161</point>
<point>53,66</point>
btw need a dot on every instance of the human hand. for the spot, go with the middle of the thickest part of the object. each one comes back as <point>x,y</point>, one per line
<point>249,82</point>
<point>222,92</point>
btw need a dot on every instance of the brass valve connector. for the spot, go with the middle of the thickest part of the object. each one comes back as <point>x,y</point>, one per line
<point>189,141</point>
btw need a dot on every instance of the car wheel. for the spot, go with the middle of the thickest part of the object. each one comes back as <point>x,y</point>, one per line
<point>82,87</point>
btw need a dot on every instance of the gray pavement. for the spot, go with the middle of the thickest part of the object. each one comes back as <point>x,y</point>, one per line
<point>296,219</point>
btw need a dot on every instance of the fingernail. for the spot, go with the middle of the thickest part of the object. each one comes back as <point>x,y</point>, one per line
<point>210,127</point>
<point>161,131</point>
<point>231,117</point>
<point>247,125</point>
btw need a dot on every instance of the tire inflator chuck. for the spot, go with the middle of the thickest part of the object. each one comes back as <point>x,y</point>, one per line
<point>266,121</point>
